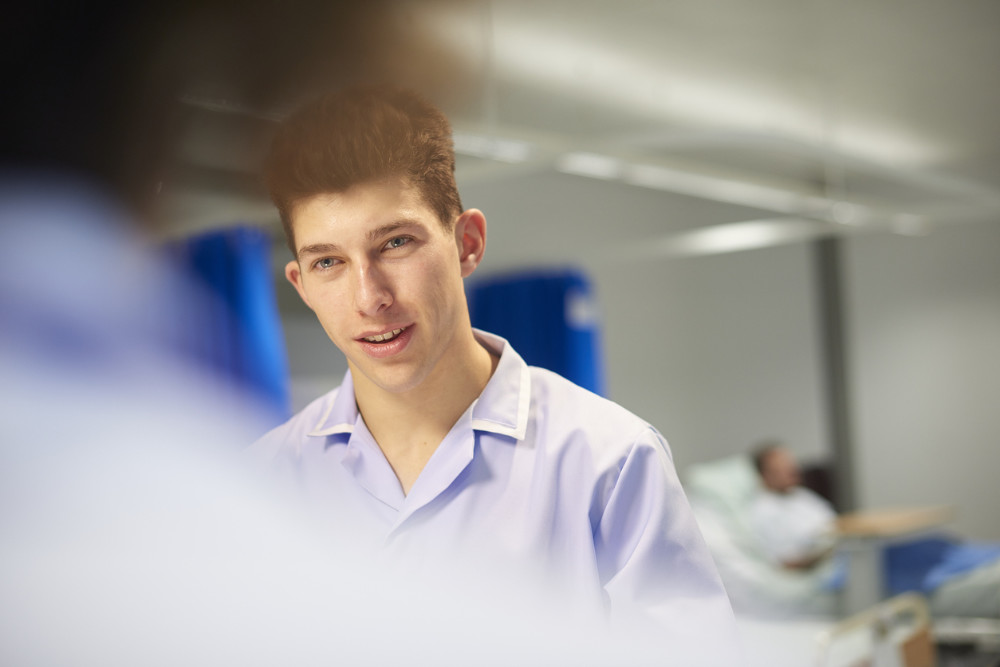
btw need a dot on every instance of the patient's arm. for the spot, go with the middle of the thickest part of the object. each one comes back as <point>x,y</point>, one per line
<point>808,562</point>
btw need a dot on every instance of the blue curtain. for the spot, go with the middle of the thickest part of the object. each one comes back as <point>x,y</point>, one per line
<point>549,316</point>
<point>235,330</point>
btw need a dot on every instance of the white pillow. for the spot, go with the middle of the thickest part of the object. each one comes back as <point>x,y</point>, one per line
<point>727,485</point>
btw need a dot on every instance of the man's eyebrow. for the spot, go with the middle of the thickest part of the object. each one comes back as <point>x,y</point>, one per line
<point>317,249</point>
<point>390,227</point>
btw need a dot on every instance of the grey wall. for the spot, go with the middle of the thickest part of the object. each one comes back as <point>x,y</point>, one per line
<point>717,352</point>
<point>925,361</point>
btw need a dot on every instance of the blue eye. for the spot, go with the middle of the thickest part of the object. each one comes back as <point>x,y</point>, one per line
<point>397,242</point>
<point>326,263</point>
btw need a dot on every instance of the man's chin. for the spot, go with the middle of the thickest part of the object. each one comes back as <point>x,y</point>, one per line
<point>385,380</point>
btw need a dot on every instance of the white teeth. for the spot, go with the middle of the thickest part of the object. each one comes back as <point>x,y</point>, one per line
<point>381,338</point>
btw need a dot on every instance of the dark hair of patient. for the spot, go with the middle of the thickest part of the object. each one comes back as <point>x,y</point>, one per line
<point>762,451</point>
<point>360,135</point>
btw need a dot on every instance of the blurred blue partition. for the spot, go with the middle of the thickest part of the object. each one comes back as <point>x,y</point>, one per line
<point>549,316</point>
<point>236,331</point>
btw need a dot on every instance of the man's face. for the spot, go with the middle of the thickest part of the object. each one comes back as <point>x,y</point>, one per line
<point>781,471</point>
<point>384,277</point>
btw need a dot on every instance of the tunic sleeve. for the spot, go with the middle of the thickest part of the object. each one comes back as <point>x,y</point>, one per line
<point>655,568</point>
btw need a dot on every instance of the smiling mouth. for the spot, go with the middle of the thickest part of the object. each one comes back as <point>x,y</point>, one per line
<point>384,338</point>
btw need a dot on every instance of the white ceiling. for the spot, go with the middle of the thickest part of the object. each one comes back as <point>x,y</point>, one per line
<point>812,116</point>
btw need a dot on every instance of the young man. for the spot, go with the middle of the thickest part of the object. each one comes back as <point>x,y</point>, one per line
<point>441,445</point>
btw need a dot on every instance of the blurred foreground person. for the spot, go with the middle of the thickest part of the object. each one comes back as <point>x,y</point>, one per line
<point>442,451</point>
<point>128,536</point>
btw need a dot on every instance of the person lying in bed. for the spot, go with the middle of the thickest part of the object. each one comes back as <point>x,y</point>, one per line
<point>794,527</point>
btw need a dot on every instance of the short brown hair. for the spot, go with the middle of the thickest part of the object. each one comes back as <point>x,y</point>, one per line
<point>358,135</point>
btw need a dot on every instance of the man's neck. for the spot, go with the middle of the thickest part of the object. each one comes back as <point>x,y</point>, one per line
<point>409,426</point>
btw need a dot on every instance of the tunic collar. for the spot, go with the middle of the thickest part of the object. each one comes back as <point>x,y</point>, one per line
<point>502,408</point>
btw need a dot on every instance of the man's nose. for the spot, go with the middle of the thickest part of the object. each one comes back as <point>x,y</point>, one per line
<point>371,294</point>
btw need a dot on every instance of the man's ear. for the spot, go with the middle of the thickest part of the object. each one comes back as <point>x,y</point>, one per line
<point>294,275</point>
<point>470,235</point>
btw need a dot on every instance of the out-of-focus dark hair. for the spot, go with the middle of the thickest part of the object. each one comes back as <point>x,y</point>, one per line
<point>359,135</point>
<point>90,94</point>
<point>762,451</point>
